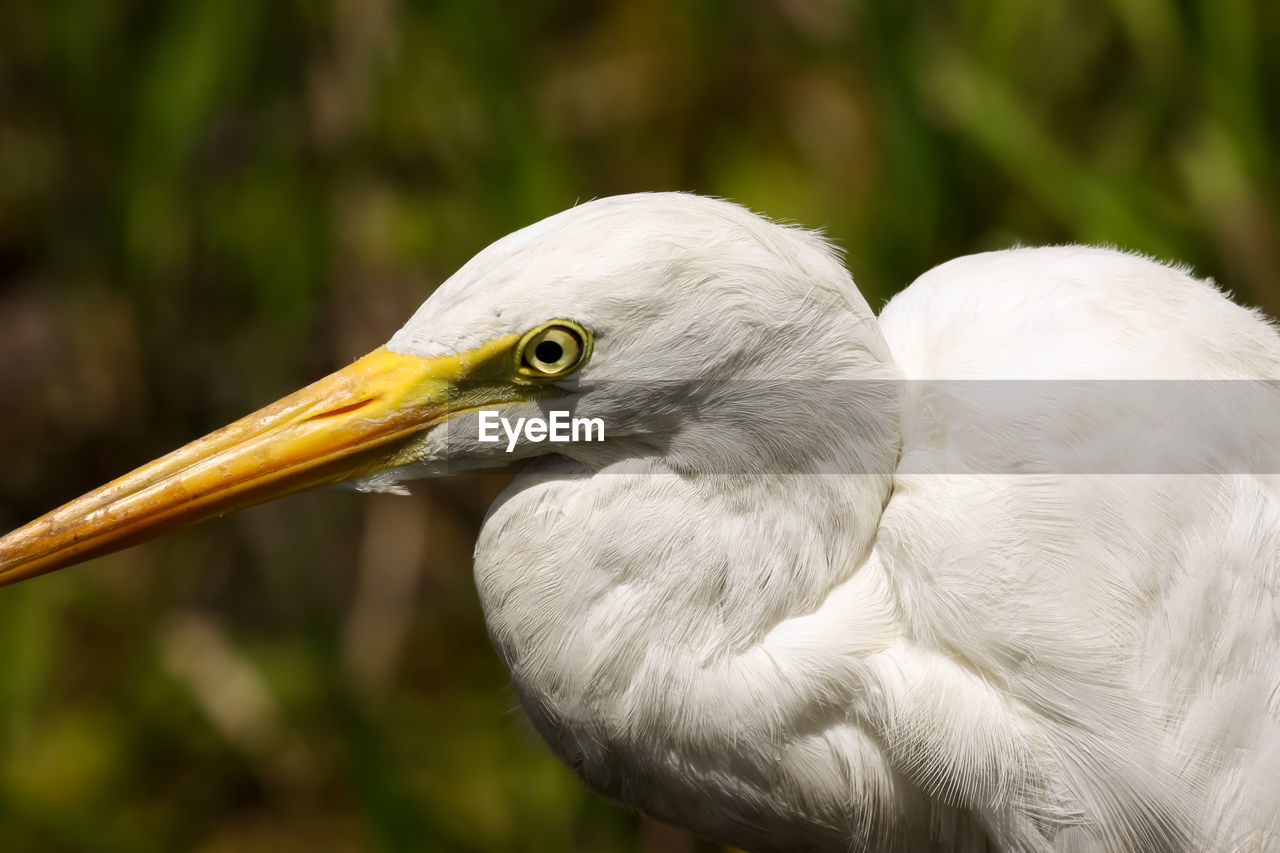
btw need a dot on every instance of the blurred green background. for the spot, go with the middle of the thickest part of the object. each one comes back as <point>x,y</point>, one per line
<point>207,203</point>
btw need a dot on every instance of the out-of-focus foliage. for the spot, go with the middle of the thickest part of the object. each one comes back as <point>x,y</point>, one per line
<point>206,203</point>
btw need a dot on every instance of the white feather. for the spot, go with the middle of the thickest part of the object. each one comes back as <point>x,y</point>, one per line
<point>809,595</point>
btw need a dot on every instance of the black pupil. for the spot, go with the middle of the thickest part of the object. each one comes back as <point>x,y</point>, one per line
<point>548,352</point>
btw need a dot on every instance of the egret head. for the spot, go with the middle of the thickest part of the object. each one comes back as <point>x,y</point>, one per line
<point>691,313</point>
<point>678,321</point>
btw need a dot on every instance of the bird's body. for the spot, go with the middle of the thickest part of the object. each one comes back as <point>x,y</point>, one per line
<point>808,595</point>
<point>861,661</point>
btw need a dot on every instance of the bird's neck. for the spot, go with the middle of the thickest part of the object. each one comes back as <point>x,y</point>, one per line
<point>660,627</point>
<point>670,614</point>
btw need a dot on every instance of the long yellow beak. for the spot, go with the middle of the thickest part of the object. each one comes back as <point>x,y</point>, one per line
<point>349,424</point>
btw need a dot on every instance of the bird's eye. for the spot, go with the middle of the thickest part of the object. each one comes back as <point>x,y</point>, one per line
<point>553,350</point>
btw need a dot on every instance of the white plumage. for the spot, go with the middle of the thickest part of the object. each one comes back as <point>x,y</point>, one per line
<point>820,661</point>
<point>833,581</point>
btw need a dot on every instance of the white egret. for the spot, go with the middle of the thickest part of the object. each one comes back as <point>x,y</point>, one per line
<point>800,597</point>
